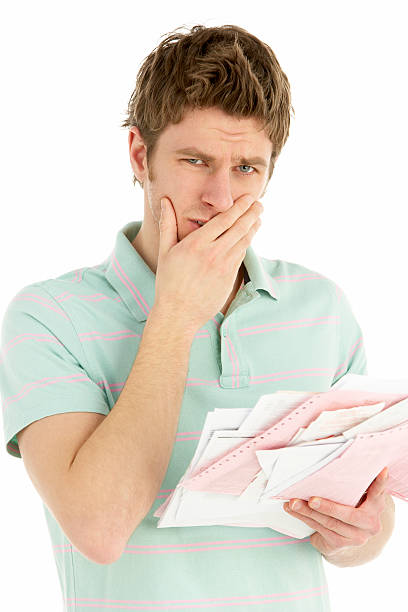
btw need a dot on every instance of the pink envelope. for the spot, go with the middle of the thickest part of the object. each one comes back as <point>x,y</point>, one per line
<point>234,471</point>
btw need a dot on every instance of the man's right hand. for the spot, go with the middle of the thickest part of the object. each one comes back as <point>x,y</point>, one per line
<point>195,276</point>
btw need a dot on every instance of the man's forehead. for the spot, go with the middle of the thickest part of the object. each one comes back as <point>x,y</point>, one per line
<point>212,127</point>
<point>216,118</point>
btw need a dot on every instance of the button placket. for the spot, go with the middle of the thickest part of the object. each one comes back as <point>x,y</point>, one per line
<point>234,371</point>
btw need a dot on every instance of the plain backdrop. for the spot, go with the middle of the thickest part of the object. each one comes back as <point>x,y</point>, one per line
<point>336,203</point>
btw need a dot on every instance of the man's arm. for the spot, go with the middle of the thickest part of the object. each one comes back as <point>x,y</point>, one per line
<point>116,474</point>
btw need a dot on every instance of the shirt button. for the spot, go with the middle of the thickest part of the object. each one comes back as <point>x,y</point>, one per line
<point>224,332</point>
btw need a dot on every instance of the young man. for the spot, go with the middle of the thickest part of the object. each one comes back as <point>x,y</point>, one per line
<point>108,372</point>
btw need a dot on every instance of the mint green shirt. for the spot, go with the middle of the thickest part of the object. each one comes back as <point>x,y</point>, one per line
<point>68,345</point>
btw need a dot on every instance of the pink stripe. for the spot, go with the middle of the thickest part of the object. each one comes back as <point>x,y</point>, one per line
<point>196,547</point>
<point>352,351</point>
<point>103,336</point>
<point>128,284</point>
<point>33,297</point>
<point>269,540</point>
<point>94,297</point>
<point>78,275</point>
<point>254,380</point>
<point>199,549</point>
<point>296,277</point>
<point>39,383</point>
<point>104,383</point>
<point>275,377</point>
<point>120,331</point>
<point>185,433</point>
<point>355,346</point>
<point>216,322</point>
<point>292,372</point>
<point>289,324</point>
<point>196,603</point>
<point>21,337</point>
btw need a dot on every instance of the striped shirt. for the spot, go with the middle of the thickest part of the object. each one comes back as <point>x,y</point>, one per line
<point>68,345</point>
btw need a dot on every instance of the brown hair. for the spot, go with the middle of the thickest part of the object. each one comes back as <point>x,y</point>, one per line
<point>224,67</point>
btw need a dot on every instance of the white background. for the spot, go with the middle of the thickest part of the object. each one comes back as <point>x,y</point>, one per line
<point>336,203</point>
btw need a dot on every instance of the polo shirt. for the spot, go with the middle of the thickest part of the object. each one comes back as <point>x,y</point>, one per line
<point>68,345</point>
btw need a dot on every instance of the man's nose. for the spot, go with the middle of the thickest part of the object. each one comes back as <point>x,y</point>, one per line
<point>217,190</point>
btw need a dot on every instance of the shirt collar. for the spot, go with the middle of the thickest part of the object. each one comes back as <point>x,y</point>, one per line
<point>134,281</point>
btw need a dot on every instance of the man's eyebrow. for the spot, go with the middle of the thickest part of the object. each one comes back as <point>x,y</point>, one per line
<point>253,161</point>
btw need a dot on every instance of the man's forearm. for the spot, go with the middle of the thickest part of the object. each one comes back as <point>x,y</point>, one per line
<point>358,555</point>
<point>117,472</point>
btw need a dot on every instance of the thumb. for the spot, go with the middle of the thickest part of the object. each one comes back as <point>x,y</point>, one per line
<point>168,226</point>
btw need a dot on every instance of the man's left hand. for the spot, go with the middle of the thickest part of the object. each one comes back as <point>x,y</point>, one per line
<point>341,527</point>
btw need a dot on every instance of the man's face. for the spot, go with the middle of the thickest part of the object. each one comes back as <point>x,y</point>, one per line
<point>200,188</point>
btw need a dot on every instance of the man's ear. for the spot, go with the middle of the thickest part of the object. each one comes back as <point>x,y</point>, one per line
<point>137,153</point>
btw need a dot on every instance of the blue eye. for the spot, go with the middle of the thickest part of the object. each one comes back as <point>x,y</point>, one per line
<point>244,166</point>
<point>192,159</point>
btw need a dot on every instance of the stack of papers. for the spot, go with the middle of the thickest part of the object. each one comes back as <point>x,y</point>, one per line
<point>330,444</point>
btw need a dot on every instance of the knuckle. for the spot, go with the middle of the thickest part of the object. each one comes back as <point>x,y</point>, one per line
<point>375,526</point>
<point>331,523</point>
<point>338,541</point>
<point>361,539</point>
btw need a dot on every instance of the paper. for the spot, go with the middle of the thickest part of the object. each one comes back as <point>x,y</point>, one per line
<point>332,444</point>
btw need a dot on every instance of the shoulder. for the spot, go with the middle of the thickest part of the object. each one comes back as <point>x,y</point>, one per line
<point>55,294</point>
<point>55,303</point>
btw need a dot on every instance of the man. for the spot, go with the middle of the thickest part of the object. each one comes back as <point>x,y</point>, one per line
<point>108,372</point>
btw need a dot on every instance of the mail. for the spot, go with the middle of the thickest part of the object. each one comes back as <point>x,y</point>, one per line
<point>330,444</point>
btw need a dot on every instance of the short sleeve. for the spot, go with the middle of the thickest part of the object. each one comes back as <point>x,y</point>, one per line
<point>43,368</point>
<point>351,352</point>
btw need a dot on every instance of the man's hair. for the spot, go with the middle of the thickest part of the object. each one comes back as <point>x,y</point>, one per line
<point>224,67</point>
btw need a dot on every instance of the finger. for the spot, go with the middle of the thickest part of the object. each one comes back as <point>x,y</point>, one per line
<point>379,485</point>
<point>345,514</point>
<point>332,538</point>
<point>223,221</point>
<point>328,521</point>
<point>167,227</point>
<point>362,499</point>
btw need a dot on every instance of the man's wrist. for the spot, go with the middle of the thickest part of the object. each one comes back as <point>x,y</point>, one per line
<point>163,314</point>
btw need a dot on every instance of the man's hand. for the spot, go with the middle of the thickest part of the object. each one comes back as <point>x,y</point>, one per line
<point>195,276</point>
<point>339,528</point>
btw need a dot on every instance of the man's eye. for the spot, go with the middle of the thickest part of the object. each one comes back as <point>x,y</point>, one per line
<point>242,165</point>
<point>192,159</point>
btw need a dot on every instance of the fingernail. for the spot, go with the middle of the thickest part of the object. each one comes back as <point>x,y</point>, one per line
<point>314,502</point>
<point>295,505</point>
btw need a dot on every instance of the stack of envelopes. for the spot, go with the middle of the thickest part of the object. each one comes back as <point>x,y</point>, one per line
<point>330,444</point>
